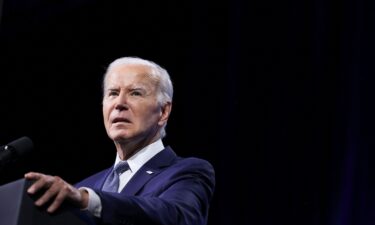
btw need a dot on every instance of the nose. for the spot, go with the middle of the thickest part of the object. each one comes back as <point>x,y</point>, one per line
<point>121,103</point>
<point>121,106</point>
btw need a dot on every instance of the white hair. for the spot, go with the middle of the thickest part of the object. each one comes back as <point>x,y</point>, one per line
<point>165,90</point>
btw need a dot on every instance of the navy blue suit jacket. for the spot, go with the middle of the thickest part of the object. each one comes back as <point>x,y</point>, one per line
<point>177,192</point>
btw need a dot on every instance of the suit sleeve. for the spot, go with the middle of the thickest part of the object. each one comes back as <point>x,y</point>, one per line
<point>178,198</point>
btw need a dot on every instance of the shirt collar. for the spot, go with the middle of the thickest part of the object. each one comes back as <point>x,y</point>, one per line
<point>142,156</point>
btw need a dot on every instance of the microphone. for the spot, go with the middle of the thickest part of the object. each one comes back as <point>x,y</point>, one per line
<point>15,149</point>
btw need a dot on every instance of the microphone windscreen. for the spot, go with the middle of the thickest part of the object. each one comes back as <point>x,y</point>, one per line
<point>22,145</point>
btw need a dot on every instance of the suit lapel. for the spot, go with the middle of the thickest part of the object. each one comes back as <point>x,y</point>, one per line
<point>149,170</point>
<point>100,182</point>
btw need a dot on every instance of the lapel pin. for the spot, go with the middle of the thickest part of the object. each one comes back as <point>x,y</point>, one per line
<point>149,172</point>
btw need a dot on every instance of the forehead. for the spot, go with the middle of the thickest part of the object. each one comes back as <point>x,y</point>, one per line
<point>125,75</point>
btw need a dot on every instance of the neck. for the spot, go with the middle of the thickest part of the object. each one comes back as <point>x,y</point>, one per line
<point>127,149</point>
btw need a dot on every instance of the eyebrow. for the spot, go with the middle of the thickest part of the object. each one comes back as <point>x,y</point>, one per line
<point>112,89</point>
<point>131,88</point>
<point>137,88</point>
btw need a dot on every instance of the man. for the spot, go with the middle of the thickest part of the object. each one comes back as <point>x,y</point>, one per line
<point>155,186</point>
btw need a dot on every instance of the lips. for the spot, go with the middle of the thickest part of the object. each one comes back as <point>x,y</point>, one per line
<point>120,120</point>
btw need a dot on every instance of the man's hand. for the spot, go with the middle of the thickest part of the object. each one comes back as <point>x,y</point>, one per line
<point>56,191</point>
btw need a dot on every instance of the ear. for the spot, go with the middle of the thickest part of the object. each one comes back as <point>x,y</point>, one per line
<point>165,112</point>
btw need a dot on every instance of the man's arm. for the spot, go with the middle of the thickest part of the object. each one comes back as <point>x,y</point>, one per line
<point>56,190</point>
<point>178,198</point>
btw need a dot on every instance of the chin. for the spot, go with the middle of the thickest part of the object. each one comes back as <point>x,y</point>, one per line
<point>119,136</point>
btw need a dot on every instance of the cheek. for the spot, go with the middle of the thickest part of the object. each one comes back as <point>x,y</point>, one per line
<point>105,112</point>
<point>151,115</point>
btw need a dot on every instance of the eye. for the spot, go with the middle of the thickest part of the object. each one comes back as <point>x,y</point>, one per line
<point>112,93</point>
<point>136,93</point>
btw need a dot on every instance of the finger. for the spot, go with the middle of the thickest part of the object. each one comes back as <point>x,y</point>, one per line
<point>41,181</point>
<point>69,193</point>
<point>65,191</point>
<point>49,194</point>
<point>33,176</point>
<point>59,199</point>
<point>57,193</point>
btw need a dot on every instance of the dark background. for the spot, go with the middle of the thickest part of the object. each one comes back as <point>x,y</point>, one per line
<point>277,95</point>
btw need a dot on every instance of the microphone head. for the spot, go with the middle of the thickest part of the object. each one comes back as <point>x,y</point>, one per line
<point>21,146</point>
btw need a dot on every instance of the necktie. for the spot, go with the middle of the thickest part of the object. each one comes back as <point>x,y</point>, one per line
<point>113,181</point>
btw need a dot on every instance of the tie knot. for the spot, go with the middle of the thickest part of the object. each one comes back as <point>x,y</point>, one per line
<point>121,167</point>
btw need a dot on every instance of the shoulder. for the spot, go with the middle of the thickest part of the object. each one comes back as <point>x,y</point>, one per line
<point>188,168</point>
<point>179,161</point>
<point>193,162</point>
<point>184,164</point>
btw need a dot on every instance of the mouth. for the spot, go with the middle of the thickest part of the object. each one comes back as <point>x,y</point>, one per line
<point>120,120</point>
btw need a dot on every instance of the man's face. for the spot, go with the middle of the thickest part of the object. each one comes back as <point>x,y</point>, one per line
<point>130,107</point>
